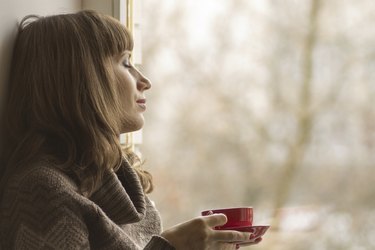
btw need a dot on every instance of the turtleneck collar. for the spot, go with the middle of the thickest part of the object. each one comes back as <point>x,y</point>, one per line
<point>121,196</point>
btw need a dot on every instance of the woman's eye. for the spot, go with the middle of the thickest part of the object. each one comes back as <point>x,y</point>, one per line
<point>127,63</point>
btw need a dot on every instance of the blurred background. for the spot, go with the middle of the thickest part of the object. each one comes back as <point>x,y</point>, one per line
<point>269,104</point>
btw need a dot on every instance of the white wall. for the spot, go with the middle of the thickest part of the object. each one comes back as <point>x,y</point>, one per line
<point>104,6</point>
<point>11,12</point>
<point>115,8</point>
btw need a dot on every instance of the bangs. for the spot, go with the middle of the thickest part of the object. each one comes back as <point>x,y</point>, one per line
<point>120,39</point>
<point>106,34</point>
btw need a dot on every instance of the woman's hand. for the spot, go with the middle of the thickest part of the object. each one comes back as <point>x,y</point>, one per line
<point>253,242</point>
<point>198,234</point>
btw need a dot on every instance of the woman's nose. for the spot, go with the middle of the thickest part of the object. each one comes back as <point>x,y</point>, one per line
<point>143,82</point>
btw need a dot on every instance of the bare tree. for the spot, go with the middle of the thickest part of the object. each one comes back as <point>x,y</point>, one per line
<point>270,121</point>
<point>304,115</point>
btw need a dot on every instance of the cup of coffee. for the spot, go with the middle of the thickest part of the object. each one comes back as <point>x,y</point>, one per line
<point>236,216</point>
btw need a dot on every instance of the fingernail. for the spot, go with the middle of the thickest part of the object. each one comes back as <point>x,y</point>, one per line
<point>250,235</point>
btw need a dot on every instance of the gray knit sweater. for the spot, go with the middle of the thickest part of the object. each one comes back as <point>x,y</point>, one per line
<point>41,209</point>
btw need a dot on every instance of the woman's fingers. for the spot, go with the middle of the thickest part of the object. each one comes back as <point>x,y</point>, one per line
<point>224,235</point>
<point>230,236</point>
<point>215,220</point>
<point>199,233</point>
<point>253,242</point>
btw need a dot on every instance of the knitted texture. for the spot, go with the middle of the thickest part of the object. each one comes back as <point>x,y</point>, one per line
<point>42,209</point>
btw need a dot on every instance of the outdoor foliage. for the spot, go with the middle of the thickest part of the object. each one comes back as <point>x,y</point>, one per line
<point>267,104</point>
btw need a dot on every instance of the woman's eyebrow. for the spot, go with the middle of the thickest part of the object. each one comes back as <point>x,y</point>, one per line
<point>126,53</point>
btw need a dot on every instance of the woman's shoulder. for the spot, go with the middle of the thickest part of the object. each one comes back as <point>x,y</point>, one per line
<point>38,192</point>
<point>41,176</point>
<point>39,202</point>
<point>38,185</point>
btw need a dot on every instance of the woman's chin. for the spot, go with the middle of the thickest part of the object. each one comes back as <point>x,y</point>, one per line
<point>133,126</point>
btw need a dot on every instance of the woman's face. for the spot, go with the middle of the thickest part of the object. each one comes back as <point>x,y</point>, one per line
<point>132,85</point>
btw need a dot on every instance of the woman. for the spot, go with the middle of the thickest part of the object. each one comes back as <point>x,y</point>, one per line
<point>65,182</point>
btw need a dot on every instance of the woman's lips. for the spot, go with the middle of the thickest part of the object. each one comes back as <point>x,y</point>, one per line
<point>142,103</point>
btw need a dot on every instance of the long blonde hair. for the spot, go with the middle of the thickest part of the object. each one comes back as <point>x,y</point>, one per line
<point>62,99</point>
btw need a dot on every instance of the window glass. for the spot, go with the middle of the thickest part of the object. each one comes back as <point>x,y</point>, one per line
<point>268,104</point>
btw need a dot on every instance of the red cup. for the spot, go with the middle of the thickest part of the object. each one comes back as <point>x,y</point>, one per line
<point>236,216</point>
